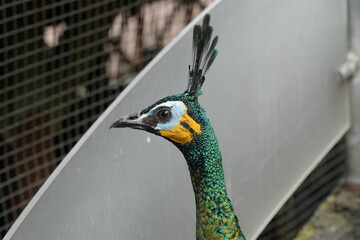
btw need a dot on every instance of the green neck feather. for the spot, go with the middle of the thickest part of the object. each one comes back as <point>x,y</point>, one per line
<point>215,217</point>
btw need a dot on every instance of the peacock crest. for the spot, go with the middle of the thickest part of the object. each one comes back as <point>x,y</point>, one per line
<point>204,55</point>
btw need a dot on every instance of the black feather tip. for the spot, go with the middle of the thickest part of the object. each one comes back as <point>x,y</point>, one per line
<point>204,55</point>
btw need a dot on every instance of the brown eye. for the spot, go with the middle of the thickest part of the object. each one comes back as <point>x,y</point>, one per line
<point>164,115</point>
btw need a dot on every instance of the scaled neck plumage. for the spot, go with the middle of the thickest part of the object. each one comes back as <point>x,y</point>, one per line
<point>215,217</point>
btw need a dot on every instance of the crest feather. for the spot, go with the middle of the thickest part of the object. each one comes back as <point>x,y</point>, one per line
<point>204,55</point>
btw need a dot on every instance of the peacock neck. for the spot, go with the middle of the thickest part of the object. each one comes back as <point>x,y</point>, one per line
<point>215,218</point>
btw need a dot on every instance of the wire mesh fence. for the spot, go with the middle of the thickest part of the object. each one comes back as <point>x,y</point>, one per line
<point>63,62</point>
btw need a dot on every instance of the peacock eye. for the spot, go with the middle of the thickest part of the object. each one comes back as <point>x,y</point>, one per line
<point>164,115</point>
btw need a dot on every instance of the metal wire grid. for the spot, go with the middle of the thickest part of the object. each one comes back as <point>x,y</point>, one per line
<point>303,203</point>
<point>62,63</point>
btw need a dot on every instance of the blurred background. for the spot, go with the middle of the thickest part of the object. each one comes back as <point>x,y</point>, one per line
<point>64,62</point>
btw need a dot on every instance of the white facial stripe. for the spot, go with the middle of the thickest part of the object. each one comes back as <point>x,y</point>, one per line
<point>178,109</point>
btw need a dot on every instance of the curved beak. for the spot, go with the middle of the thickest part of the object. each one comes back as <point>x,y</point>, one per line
<point>132,121</point>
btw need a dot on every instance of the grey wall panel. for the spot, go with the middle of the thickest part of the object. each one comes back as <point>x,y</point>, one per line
<point>276,105</point>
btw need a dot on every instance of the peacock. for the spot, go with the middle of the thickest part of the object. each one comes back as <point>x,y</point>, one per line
<point>181,120</point>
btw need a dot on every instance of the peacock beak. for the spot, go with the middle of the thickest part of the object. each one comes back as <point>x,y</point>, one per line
<point>134,121</point>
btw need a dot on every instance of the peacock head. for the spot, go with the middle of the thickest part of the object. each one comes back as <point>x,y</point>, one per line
<point>179,118</point>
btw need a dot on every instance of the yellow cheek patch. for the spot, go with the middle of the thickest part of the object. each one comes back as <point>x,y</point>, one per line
<point>194,125</point>
<point>181,134</point>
